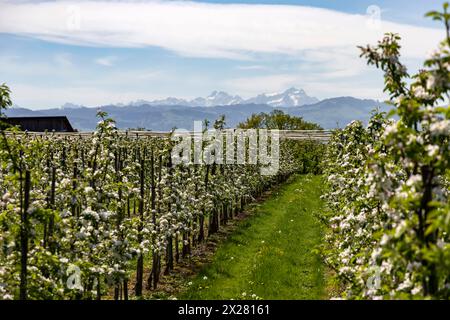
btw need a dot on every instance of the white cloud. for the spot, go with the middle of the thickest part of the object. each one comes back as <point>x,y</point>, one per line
<point>232,31</point>
<point>106,61</point>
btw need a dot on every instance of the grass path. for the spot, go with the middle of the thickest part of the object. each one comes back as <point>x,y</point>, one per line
<point>269,255</point>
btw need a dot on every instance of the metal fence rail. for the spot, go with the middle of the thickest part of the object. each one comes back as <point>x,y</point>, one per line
<point>311,135</point>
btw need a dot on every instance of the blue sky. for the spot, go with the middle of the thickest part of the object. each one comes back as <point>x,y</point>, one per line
<point>95,53</point>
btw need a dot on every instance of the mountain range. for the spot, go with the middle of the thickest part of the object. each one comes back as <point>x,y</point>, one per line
<point>179,113</point>
<point>292,97</point>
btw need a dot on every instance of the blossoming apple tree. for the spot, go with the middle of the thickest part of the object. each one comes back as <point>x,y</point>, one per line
<point>388,183</point>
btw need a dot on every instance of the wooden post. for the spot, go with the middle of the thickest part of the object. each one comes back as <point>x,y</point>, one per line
<point>169,249</point>
<point>140,261</point>
<point>153,277</point>
<point>24,237</point>
<point>201,234</point>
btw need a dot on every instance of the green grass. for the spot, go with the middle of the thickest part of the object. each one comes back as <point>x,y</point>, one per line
<point>270,254</point>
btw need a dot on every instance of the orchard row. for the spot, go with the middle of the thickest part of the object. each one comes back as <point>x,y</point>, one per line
<point>80,217</point>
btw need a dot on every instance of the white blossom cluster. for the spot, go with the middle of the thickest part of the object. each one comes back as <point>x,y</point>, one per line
<point>96,203</point>
<point>388,189</point>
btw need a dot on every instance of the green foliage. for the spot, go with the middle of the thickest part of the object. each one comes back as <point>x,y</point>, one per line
<point>5,103</point>
<point>307,154</point>
<point>442,16</point>
<point>219,124</point>
<point>5,100</point>
<point>277,119</point>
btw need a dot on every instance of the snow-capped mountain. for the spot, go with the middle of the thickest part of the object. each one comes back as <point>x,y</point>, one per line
<point>170,101</point>
<point>217,98</point>
<point>292,97</point>
<point>69,105</point>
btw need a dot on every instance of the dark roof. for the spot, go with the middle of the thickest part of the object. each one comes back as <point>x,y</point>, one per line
<point>41,124</point>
